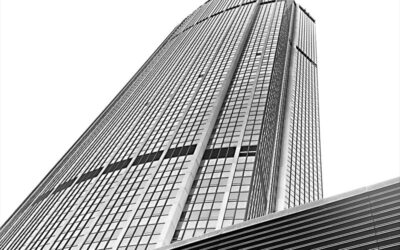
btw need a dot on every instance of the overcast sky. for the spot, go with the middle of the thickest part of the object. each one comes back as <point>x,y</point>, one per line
<point>61,62</point>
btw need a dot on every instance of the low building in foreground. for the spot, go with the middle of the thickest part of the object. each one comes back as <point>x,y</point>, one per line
<point>367,218</point>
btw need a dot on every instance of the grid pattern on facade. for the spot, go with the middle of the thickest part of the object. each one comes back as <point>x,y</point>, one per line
<point>158,138</point>
<point>122,111</point>
<point>262,186</point>
<point>304,177</point>
<point>188,145</point>
<point>190,130</point>
<point>270,16</point>
<point>97,235</point>
<point>201,213</point>
<point>106,114</point>
<point>80,194</point>
<point>57,173</point>
<point>60,170</point>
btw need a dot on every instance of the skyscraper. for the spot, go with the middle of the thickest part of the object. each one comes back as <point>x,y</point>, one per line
<point>220,125</point>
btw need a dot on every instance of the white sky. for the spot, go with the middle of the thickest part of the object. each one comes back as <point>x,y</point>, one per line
<point>61,62</point>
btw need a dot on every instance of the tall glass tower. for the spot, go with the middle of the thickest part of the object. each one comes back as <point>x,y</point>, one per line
<point>220,125</point>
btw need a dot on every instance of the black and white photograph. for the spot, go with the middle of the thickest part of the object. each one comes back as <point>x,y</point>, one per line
<point>199,124</point>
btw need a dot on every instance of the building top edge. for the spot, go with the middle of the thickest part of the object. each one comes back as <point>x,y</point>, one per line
<point>307,13</point>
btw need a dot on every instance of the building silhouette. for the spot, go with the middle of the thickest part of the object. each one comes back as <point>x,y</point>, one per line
<point>219,126</point>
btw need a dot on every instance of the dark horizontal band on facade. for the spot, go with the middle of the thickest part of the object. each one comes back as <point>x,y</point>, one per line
<point>117,166</point>
<point>89,175</point>
<point>248,151</point>
<point>229,152</point>
<point>43,196</point>
<point>248,148</point>
<point>141,159</point>
<point>65,185</point>
<point>171,153</point>
<point>306,56</point>
<point>180,151</point>
<point>219,153</point>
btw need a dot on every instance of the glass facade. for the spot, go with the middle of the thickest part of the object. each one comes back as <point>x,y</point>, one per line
<point>219,126</point>
<point>302,162</point>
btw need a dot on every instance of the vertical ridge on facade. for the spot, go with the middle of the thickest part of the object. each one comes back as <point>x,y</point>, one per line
<point>219,126</point>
